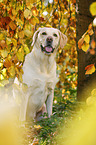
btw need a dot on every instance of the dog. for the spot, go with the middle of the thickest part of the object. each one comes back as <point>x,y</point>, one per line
<point>40,72</point>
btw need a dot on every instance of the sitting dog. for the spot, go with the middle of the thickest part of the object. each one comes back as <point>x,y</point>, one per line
<point>40,73</point>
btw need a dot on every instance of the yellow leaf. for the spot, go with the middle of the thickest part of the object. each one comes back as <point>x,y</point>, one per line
<point>26,49</point>
<point>27,14</point>
<point>11,71</point>
<point>14,41</point>
<point>37,127</point>
<point>8,41</point>
<point>4,53</point>
<point>63,91</point>
<point>93,92</point>
<point>21,34</point>
<point>34,21</point>
<point>20,56</point>
<point>4,72</point>
<point>1,65</point>
<point>14,12</point>
<point>90,69</point>
<point>85,47</point>
<point>28,33</point>
<point>34,11</point>
<point>20,23</point>
<point>93,8</point>
<point>87,38</point>
<point>48,25</point>
<point>1,77</point>
<point>1,36</point>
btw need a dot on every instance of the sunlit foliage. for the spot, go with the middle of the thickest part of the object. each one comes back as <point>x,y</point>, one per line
<point>19,20</point>
<point>88,41</point>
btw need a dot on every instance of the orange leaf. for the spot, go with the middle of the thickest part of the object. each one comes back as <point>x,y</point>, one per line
<point>80,43</point>
<point>93,44</point>
<point>12,25</point>
<point>7,63</point>
<point>90,69</point>
<point>92,51</point>
<point>85,47</point>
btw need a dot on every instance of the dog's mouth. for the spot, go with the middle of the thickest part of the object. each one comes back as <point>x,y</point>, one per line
<point>47,49</point>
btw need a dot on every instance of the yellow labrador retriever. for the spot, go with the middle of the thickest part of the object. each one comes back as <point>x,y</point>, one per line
<point>40,72</point>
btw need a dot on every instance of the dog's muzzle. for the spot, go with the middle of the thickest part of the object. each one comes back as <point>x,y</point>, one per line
<point>47,49</point>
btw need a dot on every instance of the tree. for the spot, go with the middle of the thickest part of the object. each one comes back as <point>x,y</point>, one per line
<point>85,82</point>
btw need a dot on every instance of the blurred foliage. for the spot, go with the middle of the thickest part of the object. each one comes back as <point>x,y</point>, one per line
<point>88,41</point>
<point>19,20</point>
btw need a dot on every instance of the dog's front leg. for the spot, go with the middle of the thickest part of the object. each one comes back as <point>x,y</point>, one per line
<point>49,102</point>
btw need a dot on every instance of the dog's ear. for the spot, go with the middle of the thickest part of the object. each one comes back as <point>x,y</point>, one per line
<point>35,37</point>
<point>63,40</point>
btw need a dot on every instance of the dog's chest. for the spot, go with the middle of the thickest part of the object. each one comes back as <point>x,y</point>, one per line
<point>42,69</point>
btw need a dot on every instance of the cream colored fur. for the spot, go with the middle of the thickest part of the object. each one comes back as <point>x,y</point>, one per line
<point>40,74</point>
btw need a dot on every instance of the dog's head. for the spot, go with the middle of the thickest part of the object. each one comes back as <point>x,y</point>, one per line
<point>48,40</point>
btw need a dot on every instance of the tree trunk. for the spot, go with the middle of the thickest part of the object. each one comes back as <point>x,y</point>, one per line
<point>85,82</point>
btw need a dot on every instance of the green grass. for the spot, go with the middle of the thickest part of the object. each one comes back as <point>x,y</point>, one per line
<point>64,110</point>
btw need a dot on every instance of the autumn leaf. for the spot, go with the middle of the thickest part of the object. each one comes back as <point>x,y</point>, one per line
<point>87,38</point>
<point>90,69</point>
<point>93,8</point>
<point>27,14</point>
<point>1,36</point>
<point>21,34</point>
<point>4,73</point>
<point>7,63</point>
<point>20,56</point>
<point>4,53</point>
<point>3,43</point>
<point>37,127</point>
<point>1,65</point>
<point>12,25</point>
<point>14,41</point>
<point>92,51</point>
<point>85,47</point>
<point>28,33</point>
<point>93,44</point>
<point>8,41</point>
<point>34,11</point>
<point>1,77</point>
<point>80,43</point>
<point>11,71</point>
<point>93,92</point>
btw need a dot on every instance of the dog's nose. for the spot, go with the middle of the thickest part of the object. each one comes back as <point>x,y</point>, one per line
<point>49,39</point>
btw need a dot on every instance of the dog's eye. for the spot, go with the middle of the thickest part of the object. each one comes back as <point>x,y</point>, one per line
<point>44,33</point>
<point>55,35</point>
